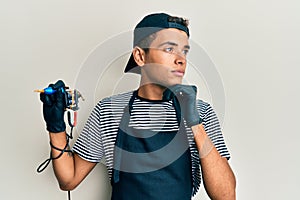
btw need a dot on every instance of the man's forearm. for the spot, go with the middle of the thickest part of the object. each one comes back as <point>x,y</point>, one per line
<point>219,180</point>
<point>63,166</point>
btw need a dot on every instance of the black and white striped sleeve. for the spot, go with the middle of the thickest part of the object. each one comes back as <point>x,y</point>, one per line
<point>89,143</point>
<point>213,129</point>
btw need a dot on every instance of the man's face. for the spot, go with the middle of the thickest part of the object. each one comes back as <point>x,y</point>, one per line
<point>165,63</point>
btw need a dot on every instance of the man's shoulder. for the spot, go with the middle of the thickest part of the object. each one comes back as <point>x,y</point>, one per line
<point>204,108</point>
<point>119,100</point>
<point>202,104</point>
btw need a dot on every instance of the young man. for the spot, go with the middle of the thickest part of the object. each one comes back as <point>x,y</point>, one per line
<point>154,139</point>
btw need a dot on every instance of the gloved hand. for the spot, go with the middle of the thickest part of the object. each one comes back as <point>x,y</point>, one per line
<point>54,108</point>
<point>185,95</point>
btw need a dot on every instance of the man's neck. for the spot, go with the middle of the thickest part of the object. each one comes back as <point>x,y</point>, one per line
<point>151,91</point>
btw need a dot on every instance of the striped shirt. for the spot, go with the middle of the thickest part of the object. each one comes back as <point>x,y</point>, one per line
<point>99,133</point>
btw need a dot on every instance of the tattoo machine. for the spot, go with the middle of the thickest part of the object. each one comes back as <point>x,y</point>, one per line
<point>71,101</point>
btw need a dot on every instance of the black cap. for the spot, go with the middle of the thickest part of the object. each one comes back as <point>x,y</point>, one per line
<point>150,24</point>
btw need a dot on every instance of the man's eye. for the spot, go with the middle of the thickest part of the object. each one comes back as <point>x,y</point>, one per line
<point>169,49</point>
<point>185,52</point>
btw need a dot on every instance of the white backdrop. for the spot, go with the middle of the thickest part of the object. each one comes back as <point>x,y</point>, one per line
<point>254,46</point>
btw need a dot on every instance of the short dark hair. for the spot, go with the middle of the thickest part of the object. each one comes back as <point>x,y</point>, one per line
<point>146,42</point>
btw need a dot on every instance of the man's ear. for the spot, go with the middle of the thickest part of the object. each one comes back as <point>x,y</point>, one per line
<point>139,56</point>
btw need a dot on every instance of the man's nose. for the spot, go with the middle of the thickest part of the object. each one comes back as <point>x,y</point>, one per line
<point>180,58</point>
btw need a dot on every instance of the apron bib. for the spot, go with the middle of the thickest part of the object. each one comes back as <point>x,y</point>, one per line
<point>151,165</point>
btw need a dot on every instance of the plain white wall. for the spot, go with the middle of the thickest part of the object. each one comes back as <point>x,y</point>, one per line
<point>254,46</point>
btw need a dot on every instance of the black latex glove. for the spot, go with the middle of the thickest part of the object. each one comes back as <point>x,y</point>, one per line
<point>185,95</point>
<point>54,108</point>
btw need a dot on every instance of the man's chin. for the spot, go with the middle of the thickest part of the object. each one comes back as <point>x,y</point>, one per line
<point>175,82</point>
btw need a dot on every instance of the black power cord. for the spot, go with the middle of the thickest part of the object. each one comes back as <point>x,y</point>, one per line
<point>45,164</point>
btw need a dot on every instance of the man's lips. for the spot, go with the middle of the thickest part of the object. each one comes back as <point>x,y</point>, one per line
<point>178,72</point>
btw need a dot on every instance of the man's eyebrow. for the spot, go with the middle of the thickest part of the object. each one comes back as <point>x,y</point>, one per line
<point>173,44</point>
<point>187,46</point>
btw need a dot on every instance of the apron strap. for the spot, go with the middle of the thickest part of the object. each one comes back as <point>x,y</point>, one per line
<point>124,122</point>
